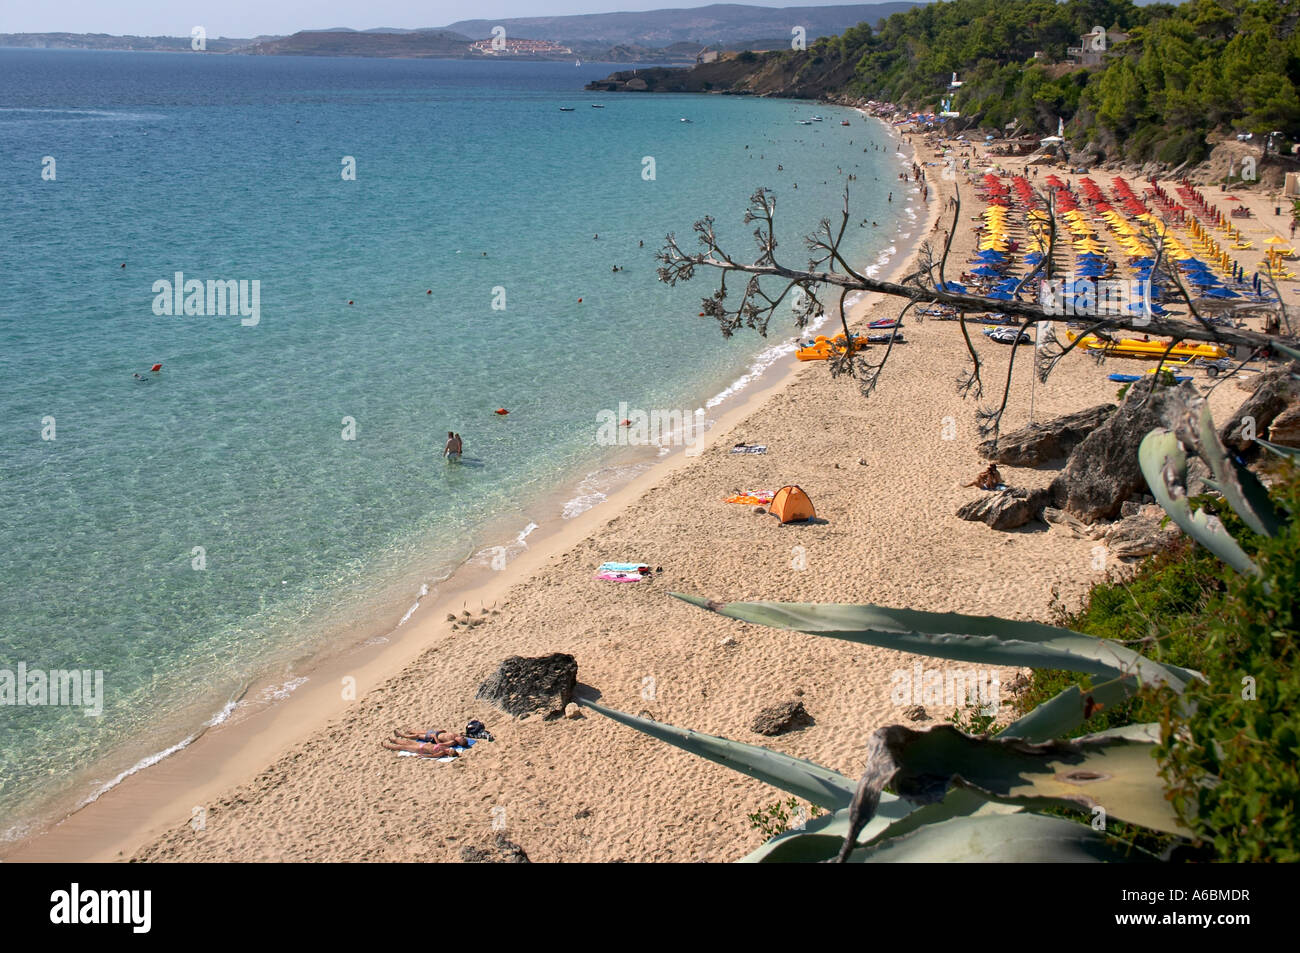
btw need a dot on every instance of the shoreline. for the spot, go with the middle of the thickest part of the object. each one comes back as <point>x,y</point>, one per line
<point>164,788</point>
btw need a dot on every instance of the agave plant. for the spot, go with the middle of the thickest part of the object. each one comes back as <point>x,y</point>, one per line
<point>960,797</point>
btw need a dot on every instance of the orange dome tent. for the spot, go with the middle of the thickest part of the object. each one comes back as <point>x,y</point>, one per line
<point>791,504</point>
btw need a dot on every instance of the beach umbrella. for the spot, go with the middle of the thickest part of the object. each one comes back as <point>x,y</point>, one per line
<point>990,255</point>
<point>999,295</point>
<point>985,270</point>
<point>1034,257</point>
<point>953,287</point>
<point>1219,293</point>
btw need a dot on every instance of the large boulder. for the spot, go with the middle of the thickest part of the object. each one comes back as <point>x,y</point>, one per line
<point>778,719</point>
<point>1037,444</point>
<point>1273,393</point>
<point>1006,509</point>
<point>501,850</point>
<point>1141,533</point>
<point>521,686</point>
<point>1103,471</point>
<point>1285,428</point>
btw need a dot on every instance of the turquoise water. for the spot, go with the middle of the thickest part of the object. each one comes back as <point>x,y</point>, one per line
<point>229,168</point>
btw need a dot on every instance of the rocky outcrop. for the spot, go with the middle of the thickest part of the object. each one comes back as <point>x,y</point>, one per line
<point>521,686</point>
<point>1274,392</point>
<point>499,851</point>
<point>1006,509</point>
<point>1103,470</point>
<point>1140,534</point>
<point>778,719</point>
<point>1037,444</point>
<point>1285,429</point>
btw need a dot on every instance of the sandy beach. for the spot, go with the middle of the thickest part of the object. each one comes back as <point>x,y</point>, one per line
<point>886,474</point>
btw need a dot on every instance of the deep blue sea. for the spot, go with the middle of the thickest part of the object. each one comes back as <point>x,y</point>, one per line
<point>278,483</point>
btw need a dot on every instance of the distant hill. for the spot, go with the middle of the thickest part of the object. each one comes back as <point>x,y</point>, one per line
<point>662,36</point>
<point>719,24</point>
<point>431,43</point>
<point>103,41</point>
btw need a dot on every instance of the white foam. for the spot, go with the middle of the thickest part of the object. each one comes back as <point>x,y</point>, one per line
<point>424,591</point>
<point>596,487</point>
<point>284,690</point>
<point>488,555</point>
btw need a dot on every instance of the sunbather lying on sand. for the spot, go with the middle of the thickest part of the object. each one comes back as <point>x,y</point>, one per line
<point>423,748</point>
<point>989,479</point>
<point>437,736</point>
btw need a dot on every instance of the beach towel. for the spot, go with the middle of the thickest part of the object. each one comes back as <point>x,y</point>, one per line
<point>749,448</point>
<point>760,498</point>
<point>620,576</point>
<point>456,748</point>
<point>622,567</point>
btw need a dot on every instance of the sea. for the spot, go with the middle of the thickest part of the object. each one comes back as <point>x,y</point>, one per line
<point>385,251</point>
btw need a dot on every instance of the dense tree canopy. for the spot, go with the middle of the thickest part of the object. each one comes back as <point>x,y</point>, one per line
<point>1205,66</point>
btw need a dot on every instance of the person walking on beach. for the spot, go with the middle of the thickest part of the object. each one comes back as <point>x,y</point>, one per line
<point>454,447</point>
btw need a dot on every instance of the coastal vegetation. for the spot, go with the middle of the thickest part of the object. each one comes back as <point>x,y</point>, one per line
<point>1168,78</point>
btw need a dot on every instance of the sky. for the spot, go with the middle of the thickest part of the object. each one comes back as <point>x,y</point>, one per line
<point>247,18</point>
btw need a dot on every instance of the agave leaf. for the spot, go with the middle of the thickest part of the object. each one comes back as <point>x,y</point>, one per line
<point>820,837</point>
<point>1008,838</point>
<point>812,782</point>
<point>1280,449</point>
<point>1114,772</point>
<point>1164,464</point>
<point>1069,709</point>
<point>951,635</point>
<point>1241,488</point>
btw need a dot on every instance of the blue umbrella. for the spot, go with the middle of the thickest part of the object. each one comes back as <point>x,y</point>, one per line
<point>1143,262</point>
<point>985,270</point>
<point>1090,255</point>
<point>1219,293</point>
<point>999,295</point>
<point>953,287</point>
<point>1034,257</point>
<point>1090,271</point>
<point>991,254</point>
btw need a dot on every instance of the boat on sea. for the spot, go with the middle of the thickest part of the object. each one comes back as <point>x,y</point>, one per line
<point>844,122</point>
<point>597,106</point>
<point>816,118</point>
<point>566,109</point>
<point>1138,347</point>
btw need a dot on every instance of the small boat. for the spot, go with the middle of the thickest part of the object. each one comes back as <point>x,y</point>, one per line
<point>1136,347</point>
<point>821,347</point>
<point>804,122</point>
<point>566,109</point>
<point>685,120</point>
<point>577,62</point>
<point>597,106</point>
<point>816,118</point>
<point>844,122</point>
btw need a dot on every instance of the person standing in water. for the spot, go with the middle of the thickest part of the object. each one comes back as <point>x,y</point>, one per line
<point>454,447</point>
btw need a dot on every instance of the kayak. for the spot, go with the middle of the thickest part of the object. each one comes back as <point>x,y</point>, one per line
<point>1135,347</point>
